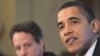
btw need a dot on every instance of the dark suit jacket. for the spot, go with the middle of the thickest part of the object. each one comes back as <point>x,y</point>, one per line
<point>49,54</point>
<point>97,48</point>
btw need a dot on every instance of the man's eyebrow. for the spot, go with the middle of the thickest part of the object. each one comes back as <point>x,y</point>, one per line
<point>59,23</point>
<point>73,18</point>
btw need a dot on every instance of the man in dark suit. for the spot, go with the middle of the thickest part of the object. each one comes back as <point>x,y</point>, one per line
<point>78,28</point>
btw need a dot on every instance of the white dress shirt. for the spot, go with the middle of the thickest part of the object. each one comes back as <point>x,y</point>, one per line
<point>90,51</point>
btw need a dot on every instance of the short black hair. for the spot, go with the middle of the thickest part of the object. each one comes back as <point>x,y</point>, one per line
<point>28,27</point>
<point>85,9</point>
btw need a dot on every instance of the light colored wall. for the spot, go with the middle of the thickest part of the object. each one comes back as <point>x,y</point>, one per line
<point>7,19</point>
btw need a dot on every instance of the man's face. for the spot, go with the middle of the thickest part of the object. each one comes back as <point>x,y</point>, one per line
<point>25,45</point>
<point>75,31</point>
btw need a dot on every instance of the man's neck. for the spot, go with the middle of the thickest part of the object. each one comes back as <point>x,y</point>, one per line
<point>79,55</point>
<point>82,53</point>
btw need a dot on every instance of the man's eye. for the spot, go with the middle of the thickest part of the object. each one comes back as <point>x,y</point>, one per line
<point>75,22</point>
<point>18,48</point>
<point>28,45</point>
<point>60,27</point>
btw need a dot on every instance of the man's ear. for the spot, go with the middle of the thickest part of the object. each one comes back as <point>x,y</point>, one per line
<point>95,25</point>
<point>41,43</point>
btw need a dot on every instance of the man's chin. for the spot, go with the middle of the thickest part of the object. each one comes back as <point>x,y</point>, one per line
<point>72,51</point>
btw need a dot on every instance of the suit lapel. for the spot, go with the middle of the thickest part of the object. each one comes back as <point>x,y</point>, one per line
<point>97,48</point>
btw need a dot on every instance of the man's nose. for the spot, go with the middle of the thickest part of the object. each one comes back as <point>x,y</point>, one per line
<point>23,52</point>
<point>67,31</point>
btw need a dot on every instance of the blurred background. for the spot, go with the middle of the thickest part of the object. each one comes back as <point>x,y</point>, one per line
<point>43,12</point>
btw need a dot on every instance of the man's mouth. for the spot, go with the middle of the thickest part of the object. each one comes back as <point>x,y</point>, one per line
<point>69,41</point>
